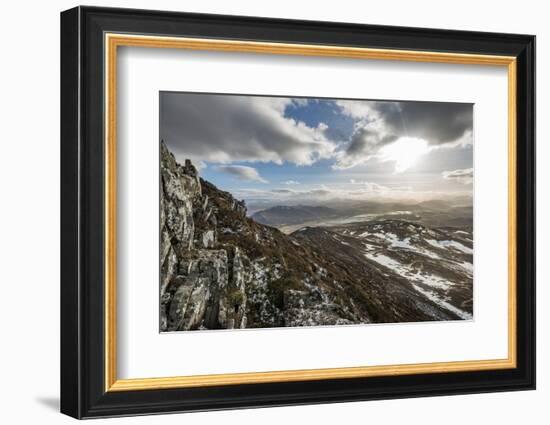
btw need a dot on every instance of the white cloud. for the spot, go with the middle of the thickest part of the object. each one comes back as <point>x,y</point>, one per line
<point>465,176</point>
<point>291,182</point>
<point>226,128</point>
<point>364,190</point>
<point>358,110</point>
<point>242,172</point>
<point>322,126</point>
<point>371,187</point>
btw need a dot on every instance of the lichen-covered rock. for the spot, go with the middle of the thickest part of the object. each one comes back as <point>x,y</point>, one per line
<point>312,308</point>
<point>235,299</point>
<point>208,239</point>
<point>196,291</point>
<point>178,194</point>
<point>239,207</point>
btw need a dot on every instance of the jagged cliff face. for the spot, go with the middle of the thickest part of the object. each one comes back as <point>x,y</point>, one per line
<point>222,270</point>
<point>202,283</point>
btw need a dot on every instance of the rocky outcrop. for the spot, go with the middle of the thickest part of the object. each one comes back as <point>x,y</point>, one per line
<point>179,192</point>
<point>202,284</point>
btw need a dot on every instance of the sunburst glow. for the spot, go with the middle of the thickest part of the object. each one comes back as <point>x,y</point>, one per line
<point>405,152</point>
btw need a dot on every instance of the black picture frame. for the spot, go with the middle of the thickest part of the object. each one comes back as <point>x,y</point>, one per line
<point>83,392</point>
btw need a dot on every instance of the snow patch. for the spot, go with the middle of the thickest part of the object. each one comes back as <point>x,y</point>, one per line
<point>418,277</point>
<point>436,299</point>
<point>452,244</point>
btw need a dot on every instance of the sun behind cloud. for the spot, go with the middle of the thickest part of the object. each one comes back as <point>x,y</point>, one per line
<point>405,151</point>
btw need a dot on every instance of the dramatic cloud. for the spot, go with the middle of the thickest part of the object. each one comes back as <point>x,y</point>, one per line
<point>465,176</point>
<point>226,128</point>
<point>379,124</point>
<point>377,137</point>
<point>437,122</point>
<point>242,172</point>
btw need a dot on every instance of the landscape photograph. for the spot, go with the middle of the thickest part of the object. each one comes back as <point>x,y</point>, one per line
<point>307,211</point>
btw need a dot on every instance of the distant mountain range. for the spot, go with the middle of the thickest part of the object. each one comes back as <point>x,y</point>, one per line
<point>221,269</point>
<point>281,215</point>
<point>432,212</point>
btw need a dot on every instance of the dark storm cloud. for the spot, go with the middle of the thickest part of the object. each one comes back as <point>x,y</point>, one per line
<point>225,128</point>
<point>437,123</point>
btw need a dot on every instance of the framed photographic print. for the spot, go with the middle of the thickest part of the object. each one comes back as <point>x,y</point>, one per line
<point>261,212</point>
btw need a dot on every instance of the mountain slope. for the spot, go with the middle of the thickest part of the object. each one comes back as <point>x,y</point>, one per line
<point>221,269</point>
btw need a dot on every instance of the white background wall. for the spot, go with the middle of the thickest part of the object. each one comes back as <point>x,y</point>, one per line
<point>29,224</point>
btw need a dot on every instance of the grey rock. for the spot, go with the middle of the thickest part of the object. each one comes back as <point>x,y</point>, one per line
<point>208,239</point>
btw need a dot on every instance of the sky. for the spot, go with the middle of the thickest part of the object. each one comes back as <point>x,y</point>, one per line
<point>288,150</point>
